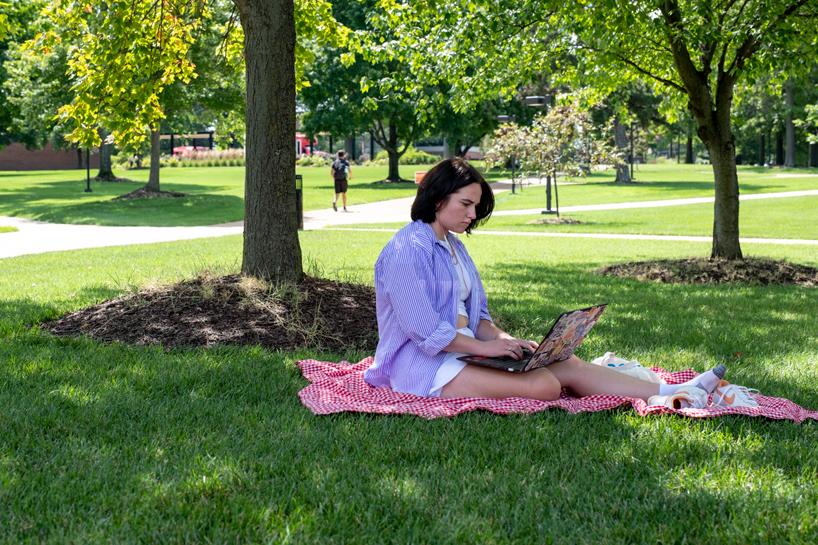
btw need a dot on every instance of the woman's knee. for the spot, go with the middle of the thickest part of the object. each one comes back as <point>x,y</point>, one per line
<point>545,386</point>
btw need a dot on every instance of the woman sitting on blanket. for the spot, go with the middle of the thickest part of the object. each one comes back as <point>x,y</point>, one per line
<point>432,309</point>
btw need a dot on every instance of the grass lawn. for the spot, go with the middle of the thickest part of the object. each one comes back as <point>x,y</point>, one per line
<point>791,217</point>
<point>217,195</point>
<point>218,192</point>
<point>658,182</point>
<point>7,229</point>
<point>104,442</point>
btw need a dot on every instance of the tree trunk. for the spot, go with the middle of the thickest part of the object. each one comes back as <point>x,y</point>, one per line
<point>725,211</point>
<point>394,172</point>
<point>789,158</point>
<point>762,152</point>
<point>105,173</point>
<point>779,149</point>
<point>689,150</point>
<point>714,127</point>
<point>394,156</point>
<point>813,155</point>
<point>459,149</point>
<point>349,148</point>
<point>621,142</point>
<point>153,179</point>
<point>715,131</point>
<point>79,158</point>
<point>271,247</point>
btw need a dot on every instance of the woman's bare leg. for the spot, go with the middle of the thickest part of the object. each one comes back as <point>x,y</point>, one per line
<point>580,377</point>
<point>476,381</point>
<point>586,379</point>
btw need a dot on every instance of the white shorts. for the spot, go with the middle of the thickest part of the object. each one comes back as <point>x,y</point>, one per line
<point>451,367</point>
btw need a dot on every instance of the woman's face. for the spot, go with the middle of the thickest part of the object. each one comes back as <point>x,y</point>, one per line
<point>457,213</point>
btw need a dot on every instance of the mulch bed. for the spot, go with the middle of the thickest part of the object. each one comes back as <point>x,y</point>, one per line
<point>110,179</point>
<point>234,310</point>
<point>552,221</point>
<point>143,193</point>
<point>753,271</point>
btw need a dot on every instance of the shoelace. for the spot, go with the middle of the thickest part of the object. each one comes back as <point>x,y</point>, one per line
<point>742,392</point>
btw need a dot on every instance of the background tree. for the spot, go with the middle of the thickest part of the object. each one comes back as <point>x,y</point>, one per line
<point>564,140</point>
<point>17,25</point>
<point>696,50</point>
<point>464,129</point>
<point>633,105</point>
<point>346,99</point>
<point>143,47</point>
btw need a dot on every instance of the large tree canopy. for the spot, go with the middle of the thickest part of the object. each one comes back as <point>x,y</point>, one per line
<point>129,51</point>
<point>697,48</point>
<point>17,24</point>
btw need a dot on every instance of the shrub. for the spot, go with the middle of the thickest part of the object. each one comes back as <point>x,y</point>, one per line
<point>172,162</point>
<point>312,161</point>
<point>121,161</point>
<point>411,157</point>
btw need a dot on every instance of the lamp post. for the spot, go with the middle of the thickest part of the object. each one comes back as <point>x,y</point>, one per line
<point>509,119</point>
<point>544,102</point>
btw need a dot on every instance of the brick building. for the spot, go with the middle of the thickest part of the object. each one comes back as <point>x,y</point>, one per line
<point>17,157</point>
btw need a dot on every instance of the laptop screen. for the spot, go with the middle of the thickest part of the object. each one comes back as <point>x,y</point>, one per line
<point>565,336</point>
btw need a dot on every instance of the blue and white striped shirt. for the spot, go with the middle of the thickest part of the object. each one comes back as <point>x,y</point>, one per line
<point>417,290</point>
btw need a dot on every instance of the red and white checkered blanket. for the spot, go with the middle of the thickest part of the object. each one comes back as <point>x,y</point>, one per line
<point>340,387</point>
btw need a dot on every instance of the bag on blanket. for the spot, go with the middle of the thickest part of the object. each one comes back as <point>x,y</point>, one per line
<point>631,367</point>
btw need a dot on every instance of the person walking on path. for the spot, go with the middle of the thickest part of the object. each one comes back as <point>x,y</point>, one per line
<point>340,170</point>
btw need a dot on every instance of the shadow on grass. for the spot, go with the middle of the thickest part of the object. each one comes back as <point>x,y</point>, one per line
<point>66,202</point>
<point>695,325</point>
<point>18,313</point>
<point>215,445</point>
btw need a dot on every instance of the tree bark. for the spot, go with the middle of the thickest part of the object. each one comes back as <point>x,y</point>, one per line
<point>762,151</point>
<point>725,212</point>
<point>716,133</point>
<point>779,149</point>
<point>271,247</point>
<point>106,172</point>
<point>621,143</point>
<point>789,158</point>
<point>394,155</point>
<point>349,148</point>
<point>153,178</point>
<point>689,150</point>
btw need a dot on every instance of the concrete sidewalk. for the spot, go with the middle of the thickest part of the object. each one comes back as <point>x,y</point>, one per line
<point>658,204</point>
<point>36,237</point>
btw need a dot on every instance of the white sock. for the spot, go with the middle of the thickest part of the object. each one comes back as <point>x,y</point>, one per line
<point>706,381</point>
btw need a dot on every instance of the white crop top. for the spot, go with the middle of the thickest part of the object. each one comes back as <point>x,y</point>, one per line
<point>463,278</point>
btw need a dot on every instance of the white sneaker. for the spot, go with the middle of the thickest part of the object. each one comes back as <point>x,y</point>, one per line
<point>686,397</point>
<point>733,395</point>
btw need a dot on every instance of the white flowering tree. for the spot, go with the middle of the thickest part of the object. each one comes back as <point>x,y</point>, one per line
<point>562,141</point>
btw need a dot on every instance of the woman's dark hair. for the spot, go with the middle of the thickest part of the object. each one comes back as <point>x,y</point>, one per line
<point>441,181</point>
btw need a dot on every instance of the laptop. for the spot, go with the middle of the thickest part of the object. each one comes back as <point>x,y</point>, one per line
<point>558,345</point>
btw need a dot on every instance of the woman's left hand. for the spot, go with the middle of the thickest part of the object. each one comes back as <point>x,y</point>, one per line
<point>524,344</point>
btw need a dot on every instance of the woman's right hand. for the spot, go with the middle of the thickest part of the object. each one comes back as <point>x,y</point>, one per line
<point>502,347</point>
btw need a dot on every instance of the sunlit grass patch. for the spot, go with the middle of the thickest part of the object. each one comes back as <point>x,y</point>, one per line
<point>108,442</point>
